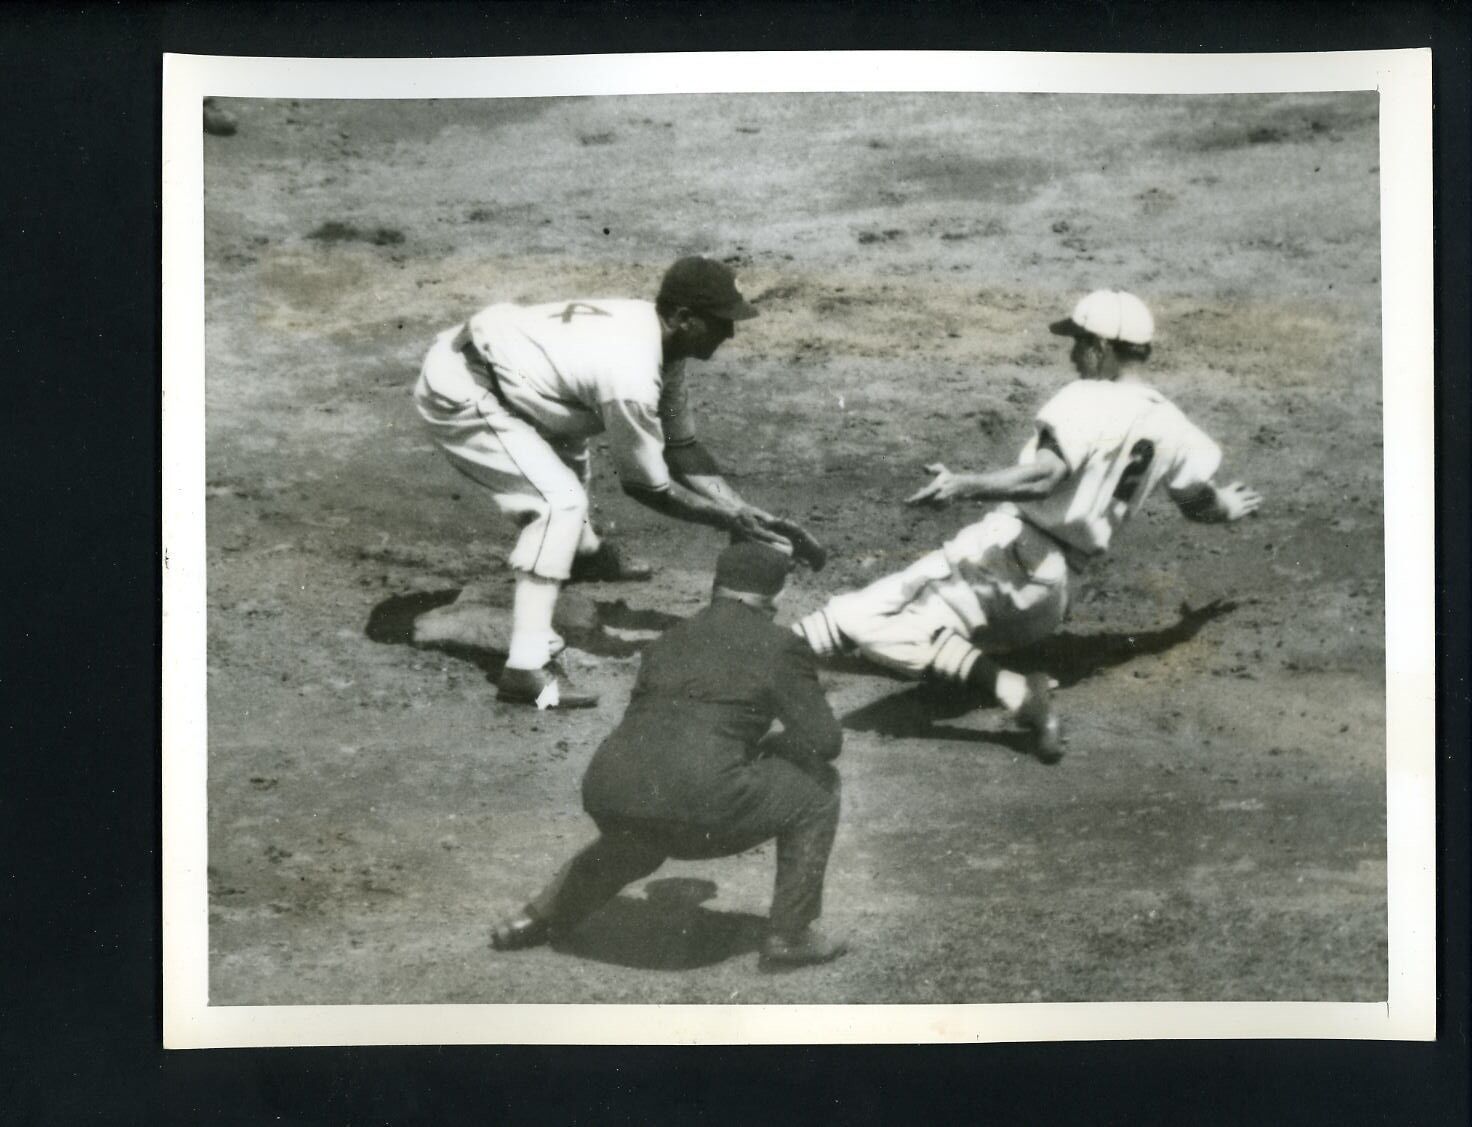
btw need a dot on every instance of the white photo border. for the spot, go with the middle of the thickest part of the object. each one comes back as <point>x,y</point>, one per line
<point>1403,80</point>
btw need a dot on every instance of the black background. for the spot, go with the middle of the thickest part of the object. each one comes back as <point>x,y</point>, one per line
<point>79,806</point>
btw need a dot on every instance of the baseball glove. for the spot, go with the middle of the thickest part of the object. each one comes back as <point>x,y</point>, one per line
<point>806,548</point>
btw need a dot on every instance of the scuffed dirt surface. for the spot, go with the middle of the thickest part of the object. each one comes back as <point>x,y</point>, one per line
<point>1217,829</point>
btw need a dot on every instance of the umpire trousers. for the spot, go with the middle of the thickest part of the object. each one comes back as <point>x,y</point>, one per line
<point>798,806</point>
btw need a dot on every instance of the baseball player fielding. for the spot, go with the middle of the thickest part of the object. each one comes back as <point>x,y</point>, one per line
<point>512,397</point>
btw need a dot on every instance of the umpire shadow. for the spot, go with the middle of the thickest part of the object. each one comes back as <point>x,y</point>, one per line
<point>666,929</point>
<point>1068,658</point>
<point>391,622</point>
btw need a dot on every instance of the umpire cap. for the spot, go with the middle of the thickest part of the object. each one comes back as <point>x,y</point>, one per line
<point>751,568</point>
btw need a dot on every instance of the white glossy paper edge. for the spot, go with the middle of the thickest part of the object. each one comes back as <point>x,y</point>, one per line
<point>1403,78</point>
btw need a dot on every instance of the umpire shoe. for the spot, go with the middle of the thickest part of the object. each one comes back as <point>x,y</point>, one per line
<point>608,565</point>
<point>520,932</point>
<point>807,948</point>
<point>1036,712</point>
<point>541,687</point>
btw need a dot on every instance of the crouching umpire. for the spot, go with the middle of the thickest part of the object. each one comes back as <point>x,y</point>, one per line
<point>682,775</point>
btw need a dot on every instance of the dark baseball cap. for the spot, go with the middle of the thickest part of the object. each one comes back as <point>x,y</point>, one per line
<point>705,286</point>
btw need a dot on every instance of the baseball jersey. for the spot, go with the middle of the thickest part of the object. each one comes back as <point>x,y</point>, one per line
<point>579,368</point>
<point>1119,441</point>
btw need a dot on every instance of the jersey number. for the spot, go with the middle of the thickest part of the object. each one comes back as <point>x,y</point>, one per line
<point>574,308</point>
<point>1141,455</point>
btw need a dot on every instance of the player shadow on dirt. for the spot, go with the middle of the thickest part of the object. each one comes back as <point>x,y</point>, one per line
<point>666,929</point>
<point>392,621</point>
<point>1068,658</point>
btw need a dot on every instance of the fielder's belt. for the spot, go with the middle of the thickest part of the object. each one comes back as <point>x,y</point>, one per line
<point>464,344</point>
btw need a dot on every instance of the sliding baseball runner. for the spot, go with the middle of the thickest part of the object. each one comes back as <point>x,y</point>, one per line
<point>1100,447</point>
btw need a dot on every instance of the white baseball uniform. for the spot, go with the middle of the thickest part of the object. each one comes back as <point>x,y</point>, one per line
<point>513,395</point>
<point>1002,582</point>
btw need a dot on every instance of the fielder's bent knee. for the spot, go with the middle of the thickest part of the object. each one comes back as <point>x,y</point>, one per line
<point>567,504</point>
<point>547,545</point>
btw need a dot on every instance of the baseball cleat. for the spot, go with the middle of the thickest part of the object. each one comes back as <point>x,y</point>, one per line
<point>541,687</point>
<point>1036,712</point>
<point>520,932</point>
<point>808,948</point>
<point>608,565</point>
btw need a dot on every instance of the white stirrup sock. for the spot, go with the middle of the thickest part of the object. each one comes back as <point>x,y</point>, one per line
<point>1011,690</point>
<point>954,658</point>
<point>533,641</point>
<point>821,634</point>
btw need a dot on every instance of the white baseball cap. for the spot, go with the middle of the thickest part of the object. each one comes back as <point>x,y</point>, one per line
<point>1109,315</point>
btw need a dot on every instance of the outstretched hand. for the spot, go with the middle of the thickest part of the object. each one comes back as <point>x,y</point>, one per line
<point>945,488</point>
<point>1237,501</point>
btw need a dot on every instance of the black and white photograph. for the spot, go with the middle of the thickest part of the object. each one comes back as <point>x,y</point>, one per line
<point>887,546</point>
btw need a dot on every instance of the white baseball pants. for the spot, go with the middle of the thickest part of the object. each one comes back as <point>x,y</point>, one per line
<point>997,585</point>
<point>540,483</point>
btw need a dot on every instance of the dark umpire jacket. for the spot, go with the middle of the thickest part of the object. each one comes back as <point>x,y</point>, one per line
<point>708,690</point>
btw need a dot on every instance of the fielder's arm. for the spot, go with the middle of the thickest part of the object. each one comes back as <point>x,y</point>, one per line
<point>682,503</point>
<point>689,488</point>
<point>1209,503</point>
<point>1026,481</point>
<point>694,467</point>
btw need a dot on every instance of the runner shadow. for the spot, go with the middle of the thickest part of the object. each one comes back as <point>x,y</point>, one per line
<point>1069,658</point>
<point>666,929</point>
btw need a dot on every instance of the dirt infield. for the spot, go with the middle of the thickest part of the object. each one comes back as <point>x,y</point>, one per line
<point>1217,830</point>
